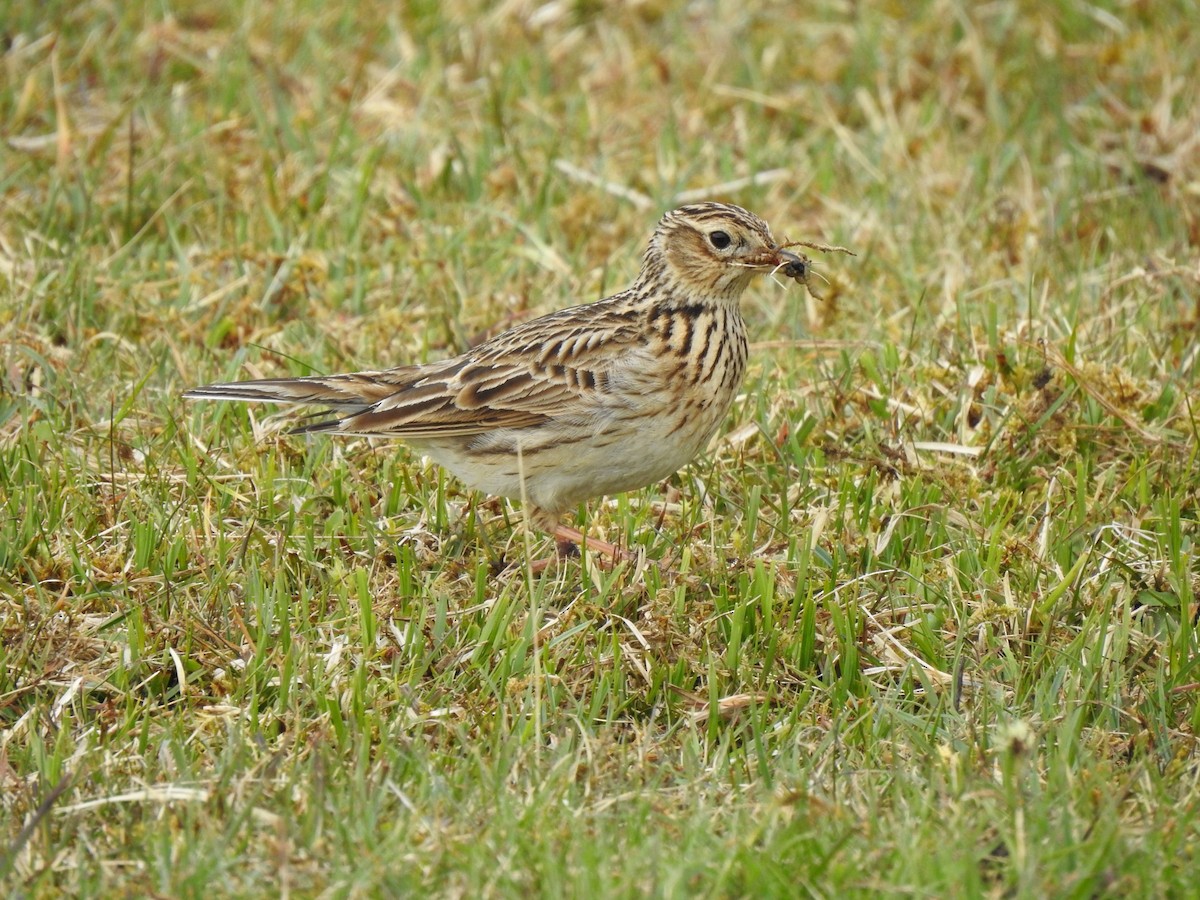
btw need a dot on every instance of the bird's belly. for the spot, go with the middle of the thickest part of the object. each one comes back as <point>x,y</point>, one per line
<point>560,467</point>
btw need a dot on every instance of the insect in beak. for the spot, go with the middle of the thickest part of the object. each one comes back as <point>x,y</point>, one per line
<point>794,266</point>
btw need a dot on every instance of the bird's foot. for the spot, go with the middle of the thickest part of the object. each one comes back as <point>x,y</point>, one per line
<point>577,540</point>
<point>570,542</point>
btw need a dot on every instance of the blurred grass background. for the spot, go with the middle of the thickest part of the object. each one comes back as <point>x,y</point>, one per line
<point>927,617</point>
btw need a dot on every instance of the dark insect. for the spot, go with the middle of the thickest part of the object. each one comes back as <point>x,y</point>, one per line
<point>801,268</point>
<point>797,270</point>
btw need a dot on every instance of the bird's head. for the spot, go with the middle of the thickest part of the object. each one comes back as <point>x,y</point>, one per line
<point>713,250</point>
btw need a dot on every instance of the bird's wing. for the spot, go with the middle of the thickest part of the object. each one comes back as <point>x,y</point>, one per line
<point>549,367</point>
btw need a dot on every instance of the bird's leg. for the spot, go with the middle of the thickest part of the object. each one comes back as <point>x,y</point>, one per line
<point>565,535</point>
<point>562,550</point>
<point>569,541</point>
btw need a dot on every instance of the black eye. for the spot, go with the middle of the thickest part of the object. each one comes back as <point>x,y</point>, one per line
<point>719,239</point>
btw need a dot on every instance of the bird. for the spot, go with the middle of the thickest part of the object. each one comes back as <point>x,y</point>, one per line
<point>597,399</point>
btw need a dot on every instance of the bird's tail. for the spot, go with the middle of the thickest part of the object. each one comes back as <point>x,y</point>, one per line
<point>345,394</point>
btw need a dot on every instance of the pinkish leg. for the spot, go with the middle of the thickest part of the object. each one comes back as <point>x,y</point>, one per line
<point>573,536</point>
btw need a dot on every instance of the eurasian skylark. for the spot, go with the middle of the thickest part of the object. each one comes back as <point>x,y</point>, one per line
<point>596,399</point>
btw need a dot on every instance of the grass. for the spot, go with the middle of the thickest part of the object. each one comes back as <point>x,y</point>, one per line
<point>927,623</point>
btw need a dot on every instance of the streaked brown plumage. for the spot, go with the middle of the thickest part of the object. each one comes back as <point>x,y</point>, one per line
<point>595,399</point>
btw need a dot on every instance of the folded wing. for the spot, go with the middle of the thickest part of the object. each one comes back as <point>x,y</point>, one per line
<point>526,377</point>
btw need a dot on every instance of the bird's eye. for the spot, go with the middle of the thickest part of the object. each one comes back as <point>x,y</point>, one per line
<point>719,239</point>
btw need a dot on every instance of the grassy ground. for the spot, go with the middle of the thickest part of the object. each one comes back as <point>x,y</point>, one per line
<point>927,619</point>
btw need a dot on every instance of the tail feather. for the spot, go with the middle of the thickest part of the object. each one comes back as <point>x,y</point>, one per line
<point>344,393</point>
<point>324,425</point>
